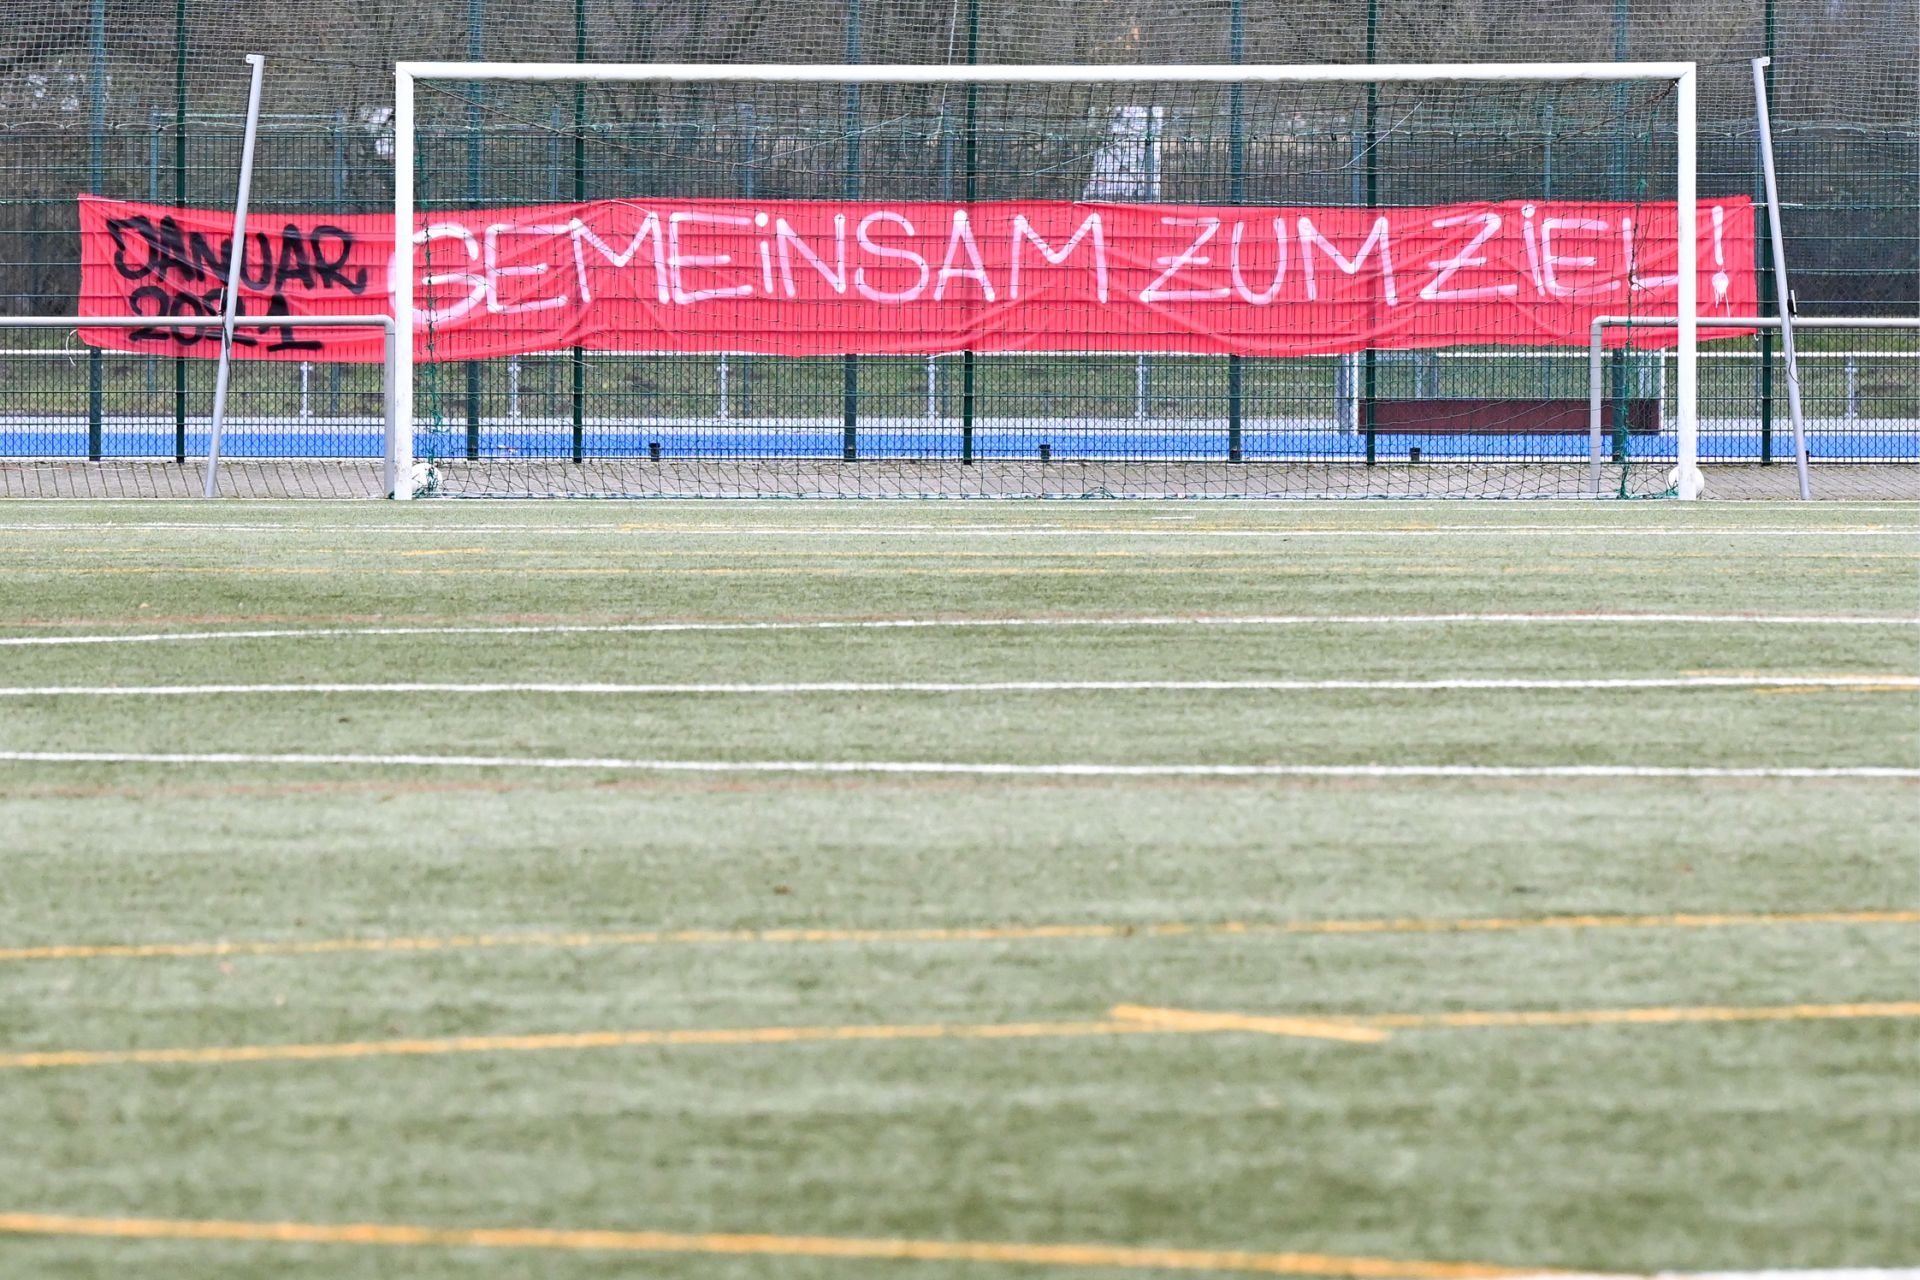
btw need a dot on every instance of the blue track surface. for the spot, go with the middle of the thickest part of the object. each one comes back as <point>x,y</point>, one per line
<point>1066,442</point>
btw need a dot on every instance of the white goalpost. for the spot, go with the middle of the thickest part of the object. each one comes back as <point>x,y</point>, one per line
<point>1681,76</point>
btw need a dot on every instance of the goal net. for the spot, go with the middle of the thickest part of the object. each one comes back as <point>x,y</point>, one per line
<point>1059,281</point>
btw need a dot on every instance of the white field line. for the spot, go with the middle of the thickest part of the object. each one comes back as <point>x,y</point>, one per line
<point>976,769</point>
<point>990,531</point>
<point>927,624</point>
<point>992,686</point>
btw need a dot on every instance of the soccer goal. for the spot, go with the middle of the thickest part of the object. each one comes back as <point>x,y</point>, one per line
<point>1047,280</point>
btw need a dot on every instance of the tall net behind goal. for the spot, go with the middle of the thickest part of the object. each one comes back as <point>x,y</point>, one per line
<point>824,287</point>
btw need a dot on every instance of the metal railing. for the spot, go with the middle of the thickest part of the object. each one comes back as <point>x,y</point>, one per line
<point>390,360</point>
<point>1596,339</point>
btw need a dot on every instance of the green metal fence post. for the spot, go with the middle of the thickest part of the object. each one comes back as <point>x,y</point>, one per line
<point>579,360</point>
<point>155,118</point>
<point>96,179</point>
<point>750,159</point>
<point>1236,194</point>
<point>180,198</point>
<point>1763,260</point>
<point>1763,271</point>
<point>334,373</point>
<point>936,372</point>
<point>972,175</point>
<point>476,52</point>
<point>850,365</point>
<point>1546,193</point>
<point>1370,375</point>
<point>1618,182</point>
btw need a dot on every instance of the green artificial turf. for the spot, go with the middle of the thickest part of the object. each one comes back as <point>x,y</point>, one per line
<point>1723,1146</point>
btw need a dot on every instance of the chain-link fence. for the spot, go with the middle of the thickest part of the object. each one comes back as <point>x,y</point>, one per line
<point>141,99</point>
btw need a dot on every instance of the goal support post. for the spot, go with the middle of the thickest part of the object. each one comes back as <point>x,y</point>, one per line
<point>394,474</point>
<point>1596,344</point>
<point>1681,75</point>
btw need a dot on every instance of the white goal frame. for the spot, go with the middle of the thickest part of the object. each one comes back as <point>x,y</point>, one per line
<point>1683,76</point>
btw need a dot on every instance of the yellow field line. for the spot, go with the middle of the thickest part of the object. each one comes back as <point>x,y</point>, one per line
<point>1788,675</point>
<point>1194,1021</point>
<point>228,1054</point>
<point>1645,1017</point>
<point>1044,1255</point>
<point>985,933</point>
<point>1123,1020</point>
<point>1896,682</point>
<point>1374,1028</point>
<point>1850,688</point>
<point>1265,568</point>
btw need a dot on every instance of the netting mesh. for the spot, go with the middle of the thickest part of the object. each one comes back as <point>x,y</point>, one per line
<point>142,101</point>
<point>754,418</point>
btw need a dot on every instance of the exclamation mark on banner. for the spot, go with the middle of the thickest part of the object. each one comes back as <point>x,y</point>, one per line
<point>1722,282</point>
<point>1533,249</point>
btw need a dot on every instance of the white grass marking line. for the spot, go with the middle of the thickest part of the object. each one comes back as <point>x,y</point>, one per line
<point>992,530</point>
<point>1885,682</point>
<point>930,624</point>
<point>974,769</point>
<point>1438,531</point>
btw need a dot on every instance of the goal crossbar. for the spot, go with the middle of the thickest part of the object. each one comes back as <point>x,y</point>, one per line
<point>999,73</point>
<point>1683,76</point>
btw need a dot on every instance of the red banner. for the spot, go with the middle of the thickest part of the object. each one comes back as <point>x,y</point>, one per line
<point>832,277</point>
